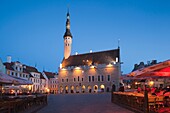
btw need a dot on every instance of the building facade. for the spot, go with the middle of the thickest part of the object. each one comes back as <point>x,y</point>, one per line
<point>35,77</point>
<point>89,72</point>
<point>16,69</point>
<point>43,84</point>
<point>51,82</point>
<point>26,72</point>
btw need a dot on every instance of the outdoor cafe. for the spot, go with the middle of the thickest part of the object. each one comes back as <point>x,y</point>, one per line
<point>15,103</point>
<point>147,98</point>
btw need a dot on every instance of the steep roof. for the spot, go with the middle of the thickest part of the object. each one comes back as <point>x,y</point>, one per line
<point>103,57</point>
<point>9,65</point>
<point>41,76</point>
<point>68,33</point>
<point>31,69</point>
<point>26,69</point>
<point>49,74</point>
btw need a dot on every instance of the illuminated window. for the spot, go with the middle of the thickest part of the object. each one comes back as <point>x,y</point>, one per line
<point>108,77</point>
<point>8,72</point>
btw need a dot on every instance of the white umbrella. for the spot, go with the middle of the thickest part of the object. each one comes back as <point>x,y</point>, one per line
<point>8,79</point>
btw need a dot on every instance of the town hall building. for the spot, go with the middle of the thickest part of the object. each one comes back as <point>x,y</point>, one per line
<point>90,72</point>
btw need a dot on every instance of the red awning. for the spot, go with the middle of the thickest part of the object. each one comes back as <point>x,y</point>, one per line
<point>155,71</point>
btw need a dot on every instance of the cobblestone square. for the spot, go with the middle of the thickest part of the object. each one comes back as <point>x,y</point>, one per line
<point>82,103</point>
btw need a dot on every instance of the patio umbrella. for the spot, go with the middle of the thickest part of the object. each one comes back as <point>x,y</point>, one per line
<point>8,79</point>
<point>20,81</point>
<point>5,79</point>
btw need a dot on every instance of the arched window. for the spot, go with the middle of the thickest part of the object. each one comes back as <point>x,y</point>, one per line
<point>93,78</point>
<point>78,78</point>
<point>102,78</point>
<point>98,78</point>
<point>89,78</point>
<point>108,77</point>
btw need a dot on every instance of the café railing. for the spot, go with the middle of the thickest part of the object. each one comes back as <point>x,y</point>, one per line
<point>129,101</point>
<point>140,102</point>
<point>22,104</point>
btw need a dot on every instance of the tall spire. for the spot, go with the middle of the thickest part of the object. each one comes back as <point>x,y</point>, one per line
<point>67,38</point>
<point>68,33</point>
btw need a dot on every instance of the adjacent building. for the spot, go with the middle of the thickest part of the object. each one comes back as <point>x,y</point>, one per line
<point>89,72</point>
<point>43,85</point>
<point>16,69</point>
<point>35,77</point>
<point>26,72</point>
<point>51,82</point>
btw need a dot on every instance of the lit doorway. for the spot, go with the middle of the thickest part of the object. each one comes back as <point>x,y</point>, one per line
<point>66,89</point>
<point>95,88</point>
<point>61,89</point>
<point>72,89</point>
<point>89,89</point>
<point>83,89</point>
<point>77,89</point>
<point>102,87</point>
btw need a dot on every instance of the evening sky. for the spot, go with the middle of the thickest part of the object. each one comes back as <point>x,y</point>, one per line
<point>31,31</point>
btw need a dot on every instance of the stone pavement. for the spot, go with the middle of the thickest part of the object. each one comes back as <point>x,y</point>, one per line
<point>81,103</point>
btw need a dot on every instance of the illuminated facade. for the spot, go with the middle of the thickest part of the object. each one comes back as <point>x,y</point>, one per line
<point>51,82</point>
<point>90,72</point>
<point>26,72</point>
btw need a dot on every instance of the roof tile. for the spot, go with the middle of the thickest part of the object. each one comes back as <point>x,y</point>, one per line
<point>103,57</point>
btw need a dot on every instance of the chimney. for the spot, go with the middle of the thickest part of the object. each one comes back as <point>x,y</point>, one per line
<point>9,59</point>
<point>91,51</point>
<point>154,61</point>
<point>148,63</point>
